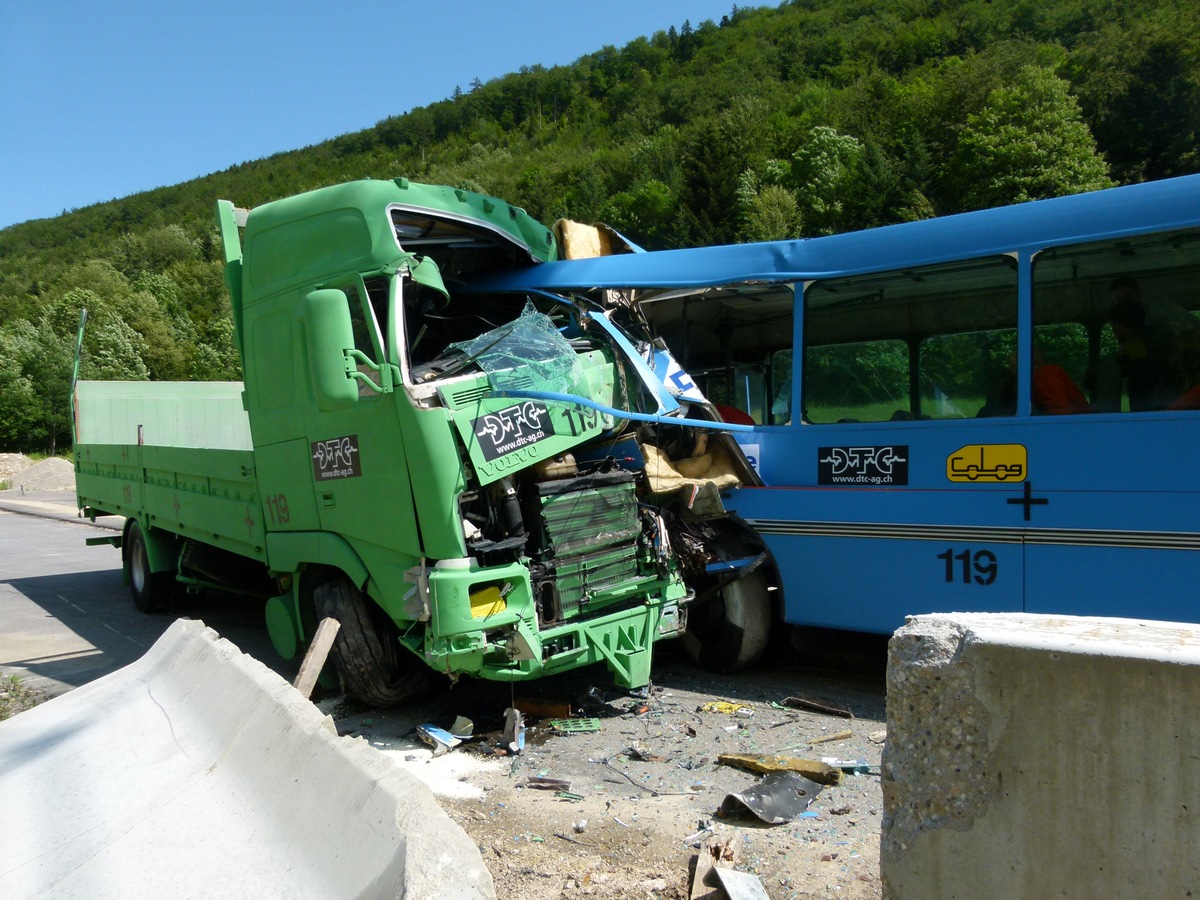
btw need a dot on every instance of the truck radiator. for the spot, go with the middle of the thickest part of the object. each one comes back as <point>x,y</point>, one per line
<point>589,539</point>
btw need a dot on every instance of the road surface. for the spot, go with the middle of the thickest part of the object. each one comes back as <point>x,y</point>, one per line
<point>66,617</point>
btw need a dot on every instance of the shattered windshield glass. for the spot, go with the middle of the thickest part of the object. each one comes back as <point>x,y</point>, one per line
<point>528,353</point>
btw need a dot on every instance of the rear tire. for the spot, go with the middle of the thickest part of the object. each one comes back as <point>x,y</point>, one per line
<point>151,591</point>
<point>372,665</point>
<point>730,631</point>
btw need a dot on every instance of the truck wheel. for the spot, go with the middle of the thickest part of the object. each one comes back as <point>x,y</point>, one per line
<point>729,631</point>
<point>152,591</point>
<point>374,668</point>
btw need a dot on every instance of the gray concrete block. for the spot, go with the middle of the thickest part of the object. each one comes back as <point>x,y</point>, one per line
<point>1041,756</point>
<point>198,772</point>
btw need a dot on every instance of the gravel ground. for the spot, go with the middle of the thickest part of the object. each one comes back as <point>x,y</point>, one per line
<point>641,796</point>
<point>23,474</point>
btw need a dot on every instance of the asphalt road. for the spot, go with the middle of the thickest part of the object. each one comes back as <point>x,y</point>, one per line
<point>66,617</point>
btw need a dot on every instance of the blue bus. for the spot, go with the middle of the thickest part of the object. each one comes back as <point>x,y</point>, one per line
<point>993,412</point>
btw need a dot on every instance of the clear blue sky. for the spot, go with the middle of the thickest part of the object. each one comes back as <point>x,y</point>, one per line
<point>105,98</point>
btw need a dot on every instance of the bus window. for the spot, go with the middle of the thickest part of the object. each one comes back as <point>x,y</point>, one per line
<point>781,388</point>
<point>968,375</point>
<point>921,343</point>
<point>736,343</point>
<point>1121,318</point>
<point>863,382</point>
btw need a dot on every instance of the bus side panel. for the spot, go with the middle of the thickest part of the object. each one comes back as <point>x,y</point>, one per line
<point>1125,582</point>
<point>862,584</point>
<point>862,560</point>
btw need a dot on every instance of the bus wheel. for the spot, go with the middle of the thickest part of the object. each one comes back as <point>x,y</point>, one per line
<point>729,631</point>
<point>374,668</point>
<point>152,591</point>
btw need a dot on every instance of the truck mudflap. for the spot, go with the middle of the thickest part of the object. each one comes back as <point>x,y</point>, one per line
<point>486,624</point>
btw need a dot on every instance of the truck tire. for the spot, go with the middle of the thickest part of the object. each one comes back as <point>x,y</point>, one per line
<point>152,591</point>
<point>730,630</point>
<point>372,665</point>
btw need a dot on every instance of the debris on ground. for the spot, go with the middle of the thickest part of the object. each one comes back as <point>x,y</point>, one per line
<point>513,737</point>
<point>441,740</point>
<point>726,708</point>
<point>574,726</point>
<point>836,736</point>
<point>820,705</point>
<point>818,770</point>
<point>777,799</point>
<point>646,780</point>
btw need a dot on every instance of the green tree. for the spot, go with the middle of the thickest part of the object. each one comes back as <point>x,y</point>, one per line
<point>766,212</point>
<point>822,171</point>
<point>1028,142</point>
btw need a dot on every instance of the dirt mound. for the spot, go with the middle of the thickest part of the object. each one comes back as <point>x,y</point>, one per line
<point>12,463</point>
<point>48,475</point>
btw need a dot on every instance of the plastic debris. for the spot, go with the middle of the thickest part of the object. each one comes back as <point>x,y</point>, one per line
<point>575,726</point>
<point>851,766</point>
<point>462,727</point>
<point>776,800</point>
<point>513,737</point>
<point>439,739</point>
<point>727,708</point>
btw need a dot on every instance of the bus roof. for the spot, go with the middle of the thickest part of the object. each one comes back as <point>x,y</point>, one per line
<point>1170,203</point>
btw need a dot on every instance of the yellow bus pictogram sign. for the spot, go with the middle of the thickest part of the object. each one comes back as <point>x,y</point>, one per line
<point>988,462</point>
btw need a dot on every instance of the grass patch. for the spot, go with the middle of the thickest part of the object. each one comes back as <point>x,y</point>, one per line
<point>16,696</point>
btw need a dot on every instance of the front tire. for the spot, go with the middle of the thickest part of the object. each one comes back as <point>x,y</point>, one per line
<point>730,630</point>
<point>373,667</point>
<point>151,591</point>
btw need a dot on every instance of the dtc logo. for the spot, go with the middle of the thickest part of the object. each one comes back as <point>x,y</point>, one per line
<point>862,465</point>
<point>336,458</point>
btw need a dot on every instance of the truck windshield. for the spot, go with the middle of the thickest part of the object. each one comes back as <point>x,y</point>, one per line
<point>528,353</point>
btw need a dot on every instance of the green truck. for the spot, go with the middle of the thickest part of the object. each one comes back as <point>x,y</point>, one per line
<point>496,486</point>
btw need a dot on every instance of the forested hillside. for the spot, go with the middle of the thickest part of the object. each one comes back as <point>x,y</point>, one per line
<point>814,117</point>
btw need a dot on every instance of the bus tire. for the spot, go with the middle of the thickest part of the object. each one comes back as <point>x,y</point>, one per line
<point>372,665</point>
<point>151,591</point>
<point>730,631</point>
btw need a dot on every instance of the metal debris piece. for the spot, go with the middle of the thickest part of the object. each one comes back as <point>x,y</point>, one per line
<point>740,885</point>
<point>777,799</point>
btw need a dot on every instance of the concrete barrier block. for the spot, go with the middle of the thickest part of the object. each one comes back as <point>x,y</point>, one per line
<point>198,772</point>
<point>1041,756</point>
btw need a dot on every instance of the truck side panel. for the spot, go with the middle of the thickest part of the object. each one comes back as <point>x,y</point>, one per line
<point>174,456</point>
